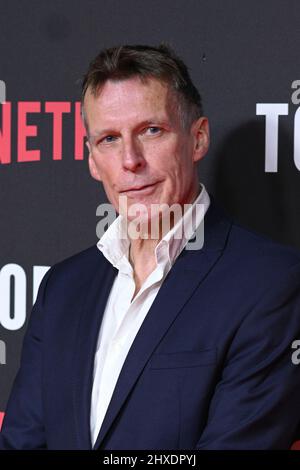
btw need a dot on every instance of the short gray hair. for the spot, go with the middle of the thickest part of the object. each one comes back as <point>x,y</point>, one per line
<point>126,61</point>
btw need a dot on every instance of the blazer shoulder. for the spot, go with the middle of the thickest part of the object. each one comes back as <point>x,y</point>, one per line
<point>77,269</point>
<point>246,242</point>
<point>88,257</point>
<point>256,251</point>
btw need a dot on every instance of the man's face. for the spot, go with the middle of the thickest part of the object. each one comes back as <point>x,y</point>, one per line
<point>138,147</point>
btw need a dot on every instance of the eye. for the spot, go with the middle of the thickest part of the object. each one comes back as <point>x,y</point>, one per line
<point>152,130</point>
<point>108,139</point>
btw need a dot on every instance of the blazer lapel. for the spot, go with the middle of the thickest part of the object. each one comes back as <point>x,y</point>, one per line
<point>87,336</point>
<point>174,293</point>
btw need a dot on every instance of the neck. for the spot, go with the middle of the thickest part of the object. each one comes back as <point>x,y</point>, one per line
<point>142,250</point>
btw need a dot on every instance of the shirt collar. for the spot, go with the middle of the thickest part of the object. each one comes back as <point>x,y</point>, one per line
<point>114,243</point>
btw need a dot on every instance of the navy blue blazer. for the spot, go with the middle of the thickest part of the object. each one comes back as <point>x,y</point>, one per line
<point>210,367</point>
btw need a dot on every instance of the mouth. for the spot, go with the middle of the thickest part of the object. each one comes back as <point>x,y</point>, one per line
<point>139,190</point>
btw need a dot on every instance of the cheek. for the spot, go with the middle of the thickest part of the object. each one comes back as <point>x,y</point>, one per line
<point>107,171</point>
<point>177,171</point>
<point>172,165</point>
<point>164,157</point>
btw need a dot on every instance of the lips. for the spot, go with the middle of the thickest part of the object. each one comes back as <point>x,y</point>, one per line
<point>139,191</point>
<point>138,188</point>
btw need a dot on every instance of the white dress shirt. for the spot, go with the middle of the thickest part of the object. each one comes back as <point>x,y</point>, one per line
<point>123,316</point>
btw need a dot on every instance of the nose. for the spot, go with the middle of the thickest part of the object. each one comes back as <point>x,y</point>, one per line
<point>132,155</point>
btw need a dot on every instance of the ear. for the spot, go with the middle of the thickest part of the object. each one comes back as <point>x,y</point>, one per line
<point>92,165</point>
<point>200,133</point>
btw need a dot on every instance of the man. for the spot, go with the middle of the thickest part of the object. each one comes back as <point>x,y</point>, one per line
<point>140,342</point>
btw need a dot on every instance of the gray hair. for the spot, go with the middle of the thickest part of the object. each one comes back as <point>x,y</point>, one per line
<point>124,62</point>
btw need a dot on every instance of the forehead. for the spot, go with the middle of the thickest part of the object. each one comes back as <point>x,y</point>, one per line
<point>130,98</point>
